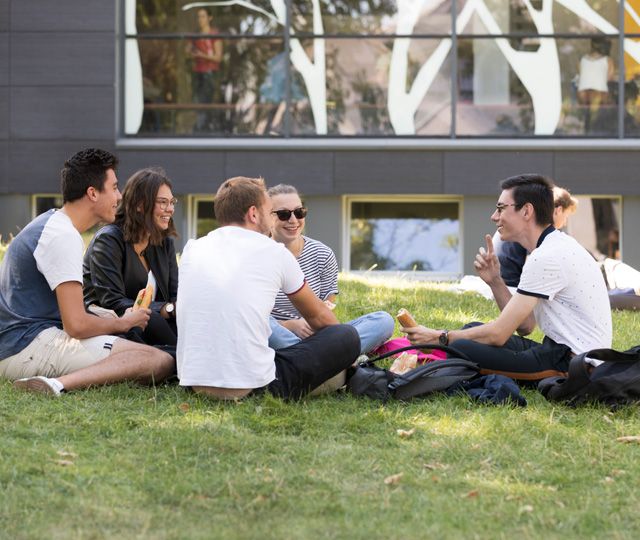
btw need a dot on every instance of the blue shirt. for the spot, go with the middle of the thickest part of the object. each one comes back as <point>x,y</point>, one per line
<point>47,252</point>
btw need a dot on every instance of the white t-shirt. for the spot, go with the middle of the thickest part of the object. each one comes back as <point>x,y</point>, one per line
<point>228,281</point>
<point>574,308</point>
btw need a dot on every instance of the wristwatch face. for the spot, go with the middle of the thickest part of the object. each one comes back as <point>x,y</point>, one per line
<point>444,338</point>
<point>169,307</point>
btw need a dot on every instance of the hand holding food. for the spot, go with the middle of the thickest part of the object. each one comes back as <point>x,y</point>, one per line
<point>405,319</point>
<point>143,300</point>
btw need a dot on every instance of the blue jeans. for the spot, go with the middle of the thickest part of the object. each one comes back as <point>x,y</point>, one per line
<point>373,328</point>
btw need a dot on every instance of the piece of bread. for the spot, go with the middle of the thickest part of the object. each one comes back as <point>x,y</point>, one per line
<point>143,300</point>
<point>403,363</point>
<point>405,319</point>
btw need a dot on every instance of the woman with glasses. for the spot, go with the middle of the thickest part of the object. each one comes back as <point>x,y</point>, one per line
<point>319,265</point>
<point>135,251</point>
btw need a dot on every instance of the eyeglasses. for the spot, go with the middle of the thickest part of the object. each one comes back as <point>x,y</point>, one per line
<point>501,207</point>
<point>285,215</point>
<point>165,203</point>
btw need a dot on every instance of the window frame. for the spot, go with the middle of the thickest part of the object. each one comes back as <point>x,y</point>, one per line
<point>347,201</point>
<point>483,141</point>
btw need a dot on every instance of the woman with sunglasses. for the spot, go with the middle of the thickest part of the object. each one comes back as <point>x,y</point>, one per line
<point>319,265</point>
<point>137,250</point>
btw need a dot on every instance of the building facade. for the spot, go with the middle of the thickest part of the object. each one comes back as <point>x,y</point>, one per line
<point>395,119</point>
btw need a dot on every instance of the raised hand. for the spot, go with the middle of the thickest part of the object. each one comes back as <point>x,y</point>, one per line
<point>486,263</point>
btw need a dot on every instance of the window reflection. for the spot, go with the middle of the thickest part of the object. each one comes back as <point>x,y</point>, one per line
<point>596,225</point>
<point>405,236</point>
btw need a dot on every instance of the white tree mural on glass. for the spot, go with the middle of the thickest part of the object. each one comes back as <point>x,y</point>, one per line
<point>539,70</point>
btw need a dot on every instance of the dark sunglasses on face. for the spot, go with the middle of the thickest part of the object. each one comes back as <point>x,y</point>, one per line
<point>285,215</point>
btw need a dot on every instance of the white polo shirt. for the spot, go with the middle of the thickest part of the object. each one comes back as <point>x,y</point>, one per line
<point>574,305</point>
<point>228,282</point>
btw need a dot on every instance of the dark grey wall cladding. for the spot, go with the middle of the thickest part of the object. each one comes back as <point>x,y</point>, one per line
<point>4,112</point>
<point>62,112</point>
<point>388,172</point>
<point>34,166</point>
<point>4,166</point>
<point>4,59</point>
<point>598,172</point>
<point>54,15</point>
<point>480,172</point>
<point>4,15</point>
<point>190,172</point>
<point>69,59</point>
<point>310,172</point>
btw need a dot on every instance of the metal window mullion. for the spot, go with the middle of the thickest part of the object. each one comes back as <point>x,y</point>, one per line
<point>287,84</point>
<point>621,70</point>
<point>120,69</point>
<point>454,69</point>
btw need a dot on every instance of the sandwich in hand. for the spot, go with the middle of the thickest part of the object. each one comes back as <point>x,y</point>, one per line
<point>143,300</point>
<point>405,319</point>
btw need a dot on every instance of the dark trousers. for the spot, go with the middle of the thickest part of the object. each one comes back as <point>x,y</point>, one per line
<point>306,365</point>
<point>519,358</point>
<point>159,331</point>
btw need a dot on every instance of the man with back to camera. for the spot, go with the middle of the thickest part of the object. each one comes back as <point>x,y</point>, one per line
<point>227,287</point>
<point>48,342</point>
<point>561,285</point>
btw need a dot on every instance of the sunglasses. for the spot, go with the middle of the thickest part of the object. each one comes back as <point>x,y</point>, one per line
<point>285,215</point>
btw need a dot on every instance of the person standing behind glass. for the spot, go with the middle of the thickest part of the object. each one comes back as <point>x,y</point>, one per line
<point>135,250</point>
<point>596,69</point>
<point>206,55</point>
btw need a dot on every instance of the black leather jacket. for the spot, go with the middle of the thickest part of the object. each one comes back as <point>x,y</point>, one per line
<point>113,275</point>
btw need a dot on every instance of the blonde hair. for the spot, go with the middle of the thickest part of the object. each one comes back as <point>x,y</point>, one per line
<point>562,197</point>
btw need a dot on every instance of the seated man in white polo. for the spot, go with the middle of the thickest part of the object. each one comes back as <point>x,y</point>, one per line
<point>561,289</point>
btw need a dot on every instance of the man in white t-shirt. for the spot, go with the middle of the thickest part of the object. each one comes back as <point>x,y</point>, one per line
<point>561,288</point>
<point>48,342</point>
<point>228,283</point>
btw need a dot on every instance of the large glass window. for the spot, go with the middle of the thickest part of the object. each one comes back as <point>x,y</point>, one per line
<point>381,68</point>
<point>422,236</point>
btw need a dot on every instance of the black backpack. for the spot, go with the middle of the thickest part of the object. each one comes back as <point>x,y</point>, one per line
<point>438,376</point>
<point>614,382</point>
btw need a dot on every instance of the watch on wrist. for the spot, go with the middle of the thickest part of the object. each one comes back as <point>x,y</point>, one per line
<point>444,338</point>
<point>170,309</point>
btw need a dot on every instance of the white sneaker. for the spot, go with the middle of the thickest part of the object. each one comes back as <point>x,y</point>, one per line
<point>43,385</point>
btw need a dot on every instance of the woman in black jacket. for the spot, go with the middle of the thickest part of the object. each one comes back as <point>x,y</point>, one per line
<point>135,250</point>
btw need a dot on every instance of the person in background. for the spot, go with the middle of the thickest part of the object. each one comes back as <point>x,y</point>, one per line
<point>49,343</point>
<point>135,250</point>
<point>229,280</point>
<point>596,69</point>
<point>206,56</point>
<point>320,268</point>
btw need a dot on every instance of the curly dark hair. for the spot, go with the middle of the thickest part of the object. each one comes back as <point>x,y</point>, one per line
<point>135,211</point>
<point>85,169</point>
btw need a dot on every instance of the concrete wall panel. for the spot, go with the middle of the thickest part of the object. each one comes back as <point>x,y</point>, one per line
<point>190,172</point>
<point>4,112</point>
<point>480,172</point>
<point>324,222</point>
<point>78,59</point>
<point>310,172</point>
<point>388,172</point>
<point>34,166</point>
<point>4,168</point>
<point>63,113</point>
<point>475,224</point>
<point>596,173</point>
<point>4,59</point>
<point>4,15</point>
<point>69,15</point>
<point>16,213</point>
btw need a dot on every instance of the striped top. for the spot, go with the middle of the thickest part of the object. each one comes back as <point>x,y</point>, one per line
<point>320,269</point>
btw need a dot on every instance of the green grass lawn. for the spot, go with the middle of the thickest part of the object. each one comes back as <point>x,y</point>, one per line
<point>131,462</point>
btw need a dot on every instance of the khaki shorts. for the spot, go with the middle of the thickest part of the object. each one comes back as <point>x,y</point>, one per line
<point>53,354</point>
